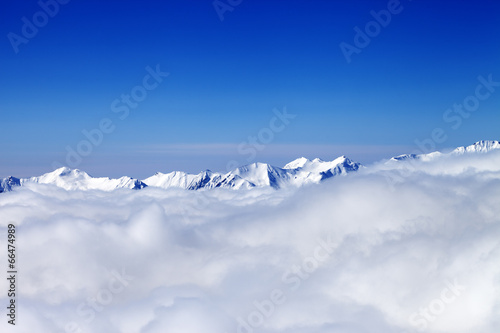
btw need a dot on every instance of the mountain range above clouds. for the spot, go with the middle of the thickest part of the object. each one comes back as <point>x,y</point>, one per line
<point>297,173</point>
<point>482,146</point>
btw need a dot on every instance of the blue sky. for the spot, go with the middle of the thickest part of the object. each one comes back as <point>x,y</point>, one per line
<point>226,78</point>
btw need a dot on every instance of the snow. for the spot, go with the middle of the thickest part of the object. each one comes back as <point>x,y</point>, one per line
<point>363,253</point>
<point>478,147</point>
<point>298,172</point>
<point>298,163</point>
<point>483,146</point>
<point>74,179</point>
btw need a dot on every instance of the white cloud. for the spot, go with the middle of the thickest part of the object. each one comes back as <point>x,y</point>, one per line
<point>198,261</point>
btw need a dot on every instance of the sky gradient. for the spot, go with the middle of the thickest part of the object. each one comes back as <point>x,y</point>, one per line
<point>227,79</point>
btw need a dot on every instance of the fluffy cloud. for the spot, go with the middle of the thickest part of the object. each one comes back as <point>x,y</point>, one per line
<point>394,248</point>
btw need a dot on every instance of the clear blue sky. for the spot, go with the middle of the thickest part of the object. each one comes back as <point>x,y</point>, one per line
<point>226,77</point>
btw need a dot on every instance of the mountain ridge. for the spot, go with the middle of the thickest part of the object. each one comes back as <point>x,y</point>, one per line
<point>478,147</point>
<point>296,173</point>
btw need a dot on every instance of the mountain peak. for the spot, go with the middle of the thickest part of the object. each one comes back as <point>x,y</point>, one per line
<point>404,157</point>
<point>487,144</point>
<point>65,171</point>
<point>7,183</point>
<point>61,171</point>
<point>297,163</point>
<point>482,146</point>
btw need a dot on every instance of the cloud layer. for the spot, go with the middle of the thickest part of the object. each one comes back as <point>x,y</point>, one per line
<point>403,247</point>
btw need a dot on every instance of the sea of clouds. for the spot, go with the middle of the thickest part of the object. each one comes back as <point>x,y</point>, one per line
<point>396,247</point>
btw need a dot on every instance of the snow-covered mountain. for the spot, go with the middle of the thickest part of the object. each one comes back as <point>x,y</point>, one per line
<point>7,183</point>
<point>262,175</point>
<point>317,170</point>
<point>299,172</point>
<point>296,173</point>
<point>404,157</point>
<point>173,179</point>
<point>205,179</point>
<point>74,179</point>
<point>483,146</point>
